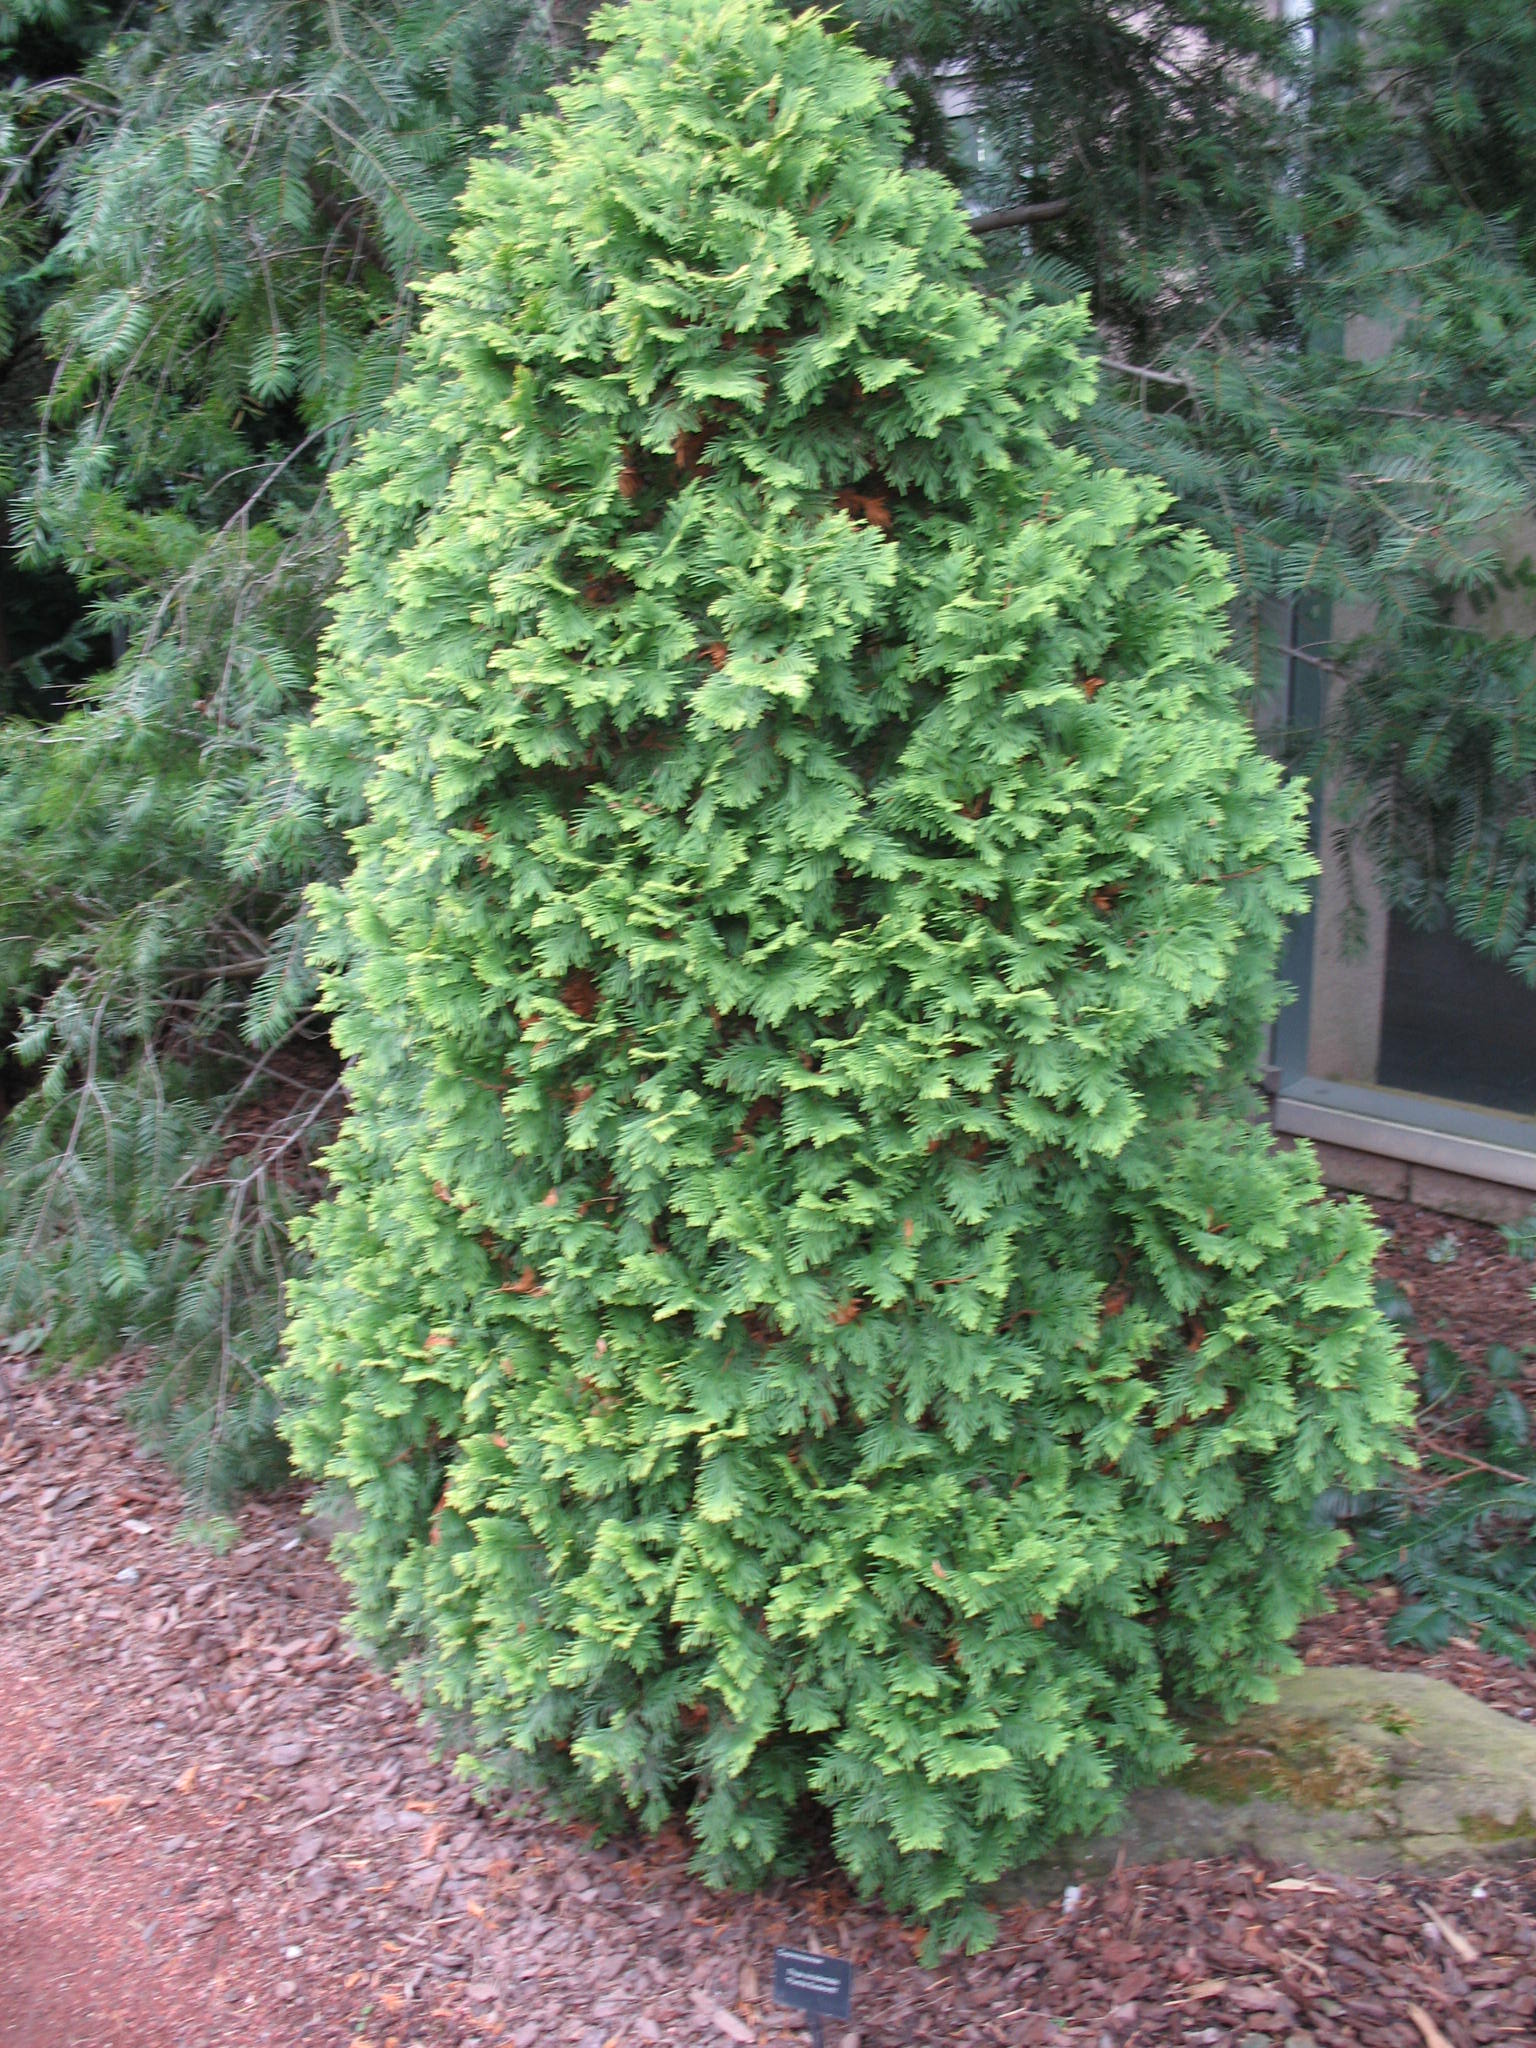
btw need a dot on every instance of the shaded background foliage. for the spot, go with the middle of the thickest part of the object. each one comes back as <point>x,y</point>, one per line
<point>1310,251</point>
<point>216,217</point>
<point>212,219</point>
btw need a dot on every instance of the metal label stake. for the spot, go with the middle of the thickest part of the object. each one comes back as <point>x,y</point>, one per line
<point>820,1986</point>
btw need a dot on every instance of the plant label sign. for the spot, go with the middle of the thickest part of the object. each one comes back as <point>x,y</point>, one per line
<point>821,1986</point>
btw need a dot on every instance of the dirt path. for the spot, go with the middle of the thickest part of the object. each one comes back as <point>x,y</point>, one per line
<point>220,1829</point>
<point>78,1956</point>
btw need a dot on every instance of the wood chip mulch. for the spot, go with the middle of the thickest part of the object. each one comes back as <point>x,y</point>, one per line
<point>1468,1291</point>
<point>1463,1281</point>
<point>218,1825</point>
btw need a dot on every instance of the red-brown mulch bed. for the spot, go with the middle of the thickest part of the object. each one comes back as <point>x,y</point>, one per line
<point>219,1824</point>
<point>1474,1294</point>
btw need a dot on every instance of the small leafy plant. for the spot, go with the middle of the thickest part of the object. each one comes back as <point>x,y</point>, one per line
<point>215,1531</point>
<point>1457,1533</point>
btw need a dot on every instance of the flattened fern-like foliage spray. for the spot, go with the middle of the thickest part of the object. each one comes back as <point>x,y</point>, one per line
<point>804,1312</point>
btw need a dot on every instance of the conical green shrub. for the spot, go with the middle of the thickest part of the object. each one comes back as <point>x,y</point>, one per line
<point>805,1313</point>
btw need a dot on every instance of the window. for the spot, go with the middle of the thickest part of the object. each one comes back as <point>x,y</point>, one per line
<point>1406,1044</point>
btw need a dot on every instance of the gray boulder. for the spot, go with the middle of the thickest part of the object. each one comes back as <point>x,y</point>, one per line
<point>1350,1770</point>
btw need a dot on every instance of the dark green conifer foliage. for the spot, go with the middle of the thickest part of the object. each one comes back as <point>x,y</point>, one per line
<point>210,229</point>
<point>1310,249</point>
<point>804,1313</point>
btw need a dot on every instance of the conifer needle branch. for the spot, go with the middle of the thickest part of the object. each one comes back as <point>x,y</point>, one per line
<point>276,470</point>
<point>1314,658</point>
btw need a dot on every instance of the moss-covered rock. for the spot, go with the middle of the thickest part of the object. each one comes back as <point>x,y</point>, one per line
<point>1349,1770</point>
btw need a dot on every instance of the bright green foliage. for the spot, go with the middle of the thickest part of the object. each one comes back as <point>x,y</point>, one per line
<point>805,1312</point>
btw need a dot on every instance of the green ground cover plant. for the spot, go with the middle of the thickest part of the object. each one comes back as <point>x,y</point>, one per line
<point>1455,1533</point>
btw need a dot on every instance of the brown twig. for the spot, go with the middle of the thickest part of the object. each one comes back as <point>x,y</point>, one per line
<point>1018,216</point>
<point>1142,370</point>
<point>1479,1464</point>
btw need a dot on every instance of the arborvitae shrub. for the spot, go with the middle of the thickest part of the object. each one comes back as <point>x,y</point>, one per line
<point>806,1314</point>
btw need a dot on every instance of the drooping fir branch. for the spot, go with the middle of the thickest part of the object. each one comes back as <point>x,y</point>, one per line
<point>218,220</point>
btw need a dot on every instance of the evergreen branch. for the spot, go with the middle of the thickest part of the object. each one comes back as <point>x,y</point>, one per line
<point>347,217</point>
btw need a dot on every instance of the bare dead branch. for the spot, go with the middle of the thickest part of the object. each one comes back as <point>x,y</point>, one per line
<point>1018,216</point>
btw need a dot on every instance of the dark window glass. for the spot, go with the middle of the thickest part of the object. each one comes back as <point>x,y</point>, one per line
<point>1455,1023</point>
